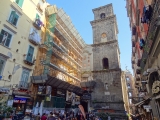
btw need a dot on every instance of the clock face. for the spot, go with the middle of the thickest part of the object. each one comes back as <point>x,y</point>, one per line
<point>102,15</point>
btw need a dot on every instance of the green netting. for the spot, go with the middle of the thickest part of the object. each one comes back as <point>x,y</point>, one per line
<point>49,40</point>
<point>56,102</point>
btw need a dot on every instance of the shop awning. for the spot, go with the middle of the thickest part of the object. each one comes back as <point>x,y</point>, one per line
<point>88,84</point>
<point>142,102</point>
<point>56,83</point>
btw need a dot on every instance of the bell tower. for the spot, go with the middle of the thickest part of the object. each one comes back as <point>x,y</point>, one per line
<point>107,93</point>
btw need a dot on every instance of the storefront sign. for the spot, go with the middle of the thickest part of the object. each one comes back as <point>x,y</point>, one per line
<point>156,87</point>
<point>48,90</point>
<point>77,100</point>
<point>19,100</point>
<point>147,107</point>
<point>86,96</point>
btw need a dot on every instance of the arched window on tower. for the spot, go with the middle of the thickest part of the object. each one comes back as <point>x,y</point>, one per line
<point>105,63</point>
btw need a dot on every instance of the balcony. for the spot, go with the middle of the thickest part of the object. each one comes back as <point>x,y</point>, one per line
<point>38,24</point>
<point>29,60</point>
<point>40,7</point>
<point>58,47</point>
<point>23,85</point>
<point>34,39</point>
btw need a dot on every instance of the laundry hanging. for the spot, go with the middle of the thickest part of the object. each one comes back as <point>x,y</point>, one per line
<point>142,43</point>
<point>147,13</point>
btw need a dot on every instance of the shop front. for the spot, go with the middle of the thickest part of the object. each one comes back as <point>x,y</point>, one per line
<point>22,102</point>
<point>62,95</point>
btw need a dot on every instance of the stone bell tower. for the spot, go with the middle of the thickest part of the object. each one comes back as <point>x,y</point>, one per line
<point>107,93</point>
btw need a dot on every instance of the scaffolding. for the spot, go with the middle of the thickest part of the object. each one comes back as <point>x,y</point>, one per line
<point>50,28</point>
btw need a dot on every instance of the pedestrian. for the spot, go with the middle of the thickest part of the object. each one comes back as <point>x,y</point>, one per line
<point>44,117</point>
<point>38,116</point>
<point>51,117</point>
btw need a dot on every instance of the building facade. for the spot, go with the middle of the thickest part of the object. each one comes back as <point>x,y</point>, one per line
<point>144,23</point>
<point>56,79</point>
<point>19,39</point>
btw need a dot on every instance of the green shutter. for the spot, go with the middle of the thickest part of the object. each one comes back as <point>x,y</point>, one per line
<point>11,18</point>
<point>15,19</point>
<point>20,3</point>
<point>1,66</point>
<point>30,54</point>
<point>37,16</point>
<point>17,1</point>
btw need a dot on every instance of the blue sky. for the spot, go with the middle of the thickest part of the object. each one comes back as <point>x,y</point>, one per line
<point>80,12</point>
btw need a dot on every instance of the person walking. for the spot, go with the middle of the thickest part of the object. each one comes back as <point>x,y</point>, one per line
<point>51,117</point>
<point>44,117</point>
<point>38,116</point>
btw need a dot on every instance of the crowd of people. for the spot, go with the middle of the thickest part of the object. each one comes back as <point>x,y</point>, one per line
<point>67,116</point>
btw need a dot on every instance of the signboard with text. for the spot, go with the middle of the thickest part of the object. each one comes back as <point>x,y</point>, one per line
<point>19,100</point>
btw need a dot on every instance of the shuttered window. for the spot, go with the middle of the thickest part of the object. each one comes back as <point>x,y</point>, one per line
<point>25,75</point>
<point>30,54</point>
<point>19,2</point>
<point>13,19</point>
<point>5,38</point>
<point>2,62</point>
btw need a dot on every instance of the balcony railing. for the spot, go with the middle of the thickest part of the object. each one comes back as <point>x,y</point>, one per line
<point>29,60</point>
<point>34,38</point>
<point>23,85</point>
<point>38,24</point>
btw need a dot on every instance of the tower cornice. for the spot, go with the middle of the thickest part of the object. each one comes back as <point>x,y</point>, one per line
<point>104,43</point>
<point>104,19</point>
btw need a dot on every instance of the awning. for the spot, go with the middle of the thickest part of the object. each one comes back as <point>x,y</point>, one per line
<point>56,83</point>
<point>5,90</point>
<point>88,84</point>
<point>142,102</point>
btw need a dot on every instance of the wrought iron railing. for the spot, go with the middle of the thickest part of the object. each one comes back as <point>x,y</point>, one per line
<point>23,84</point>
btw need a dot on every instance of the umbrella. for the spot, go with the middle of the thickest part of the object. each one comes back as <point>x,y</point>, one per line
<point>41,107</point>
<point>36,109</point>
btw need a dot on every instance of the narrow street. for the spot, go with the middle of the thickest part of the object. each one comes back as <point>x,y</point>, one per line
<point>79,60</point>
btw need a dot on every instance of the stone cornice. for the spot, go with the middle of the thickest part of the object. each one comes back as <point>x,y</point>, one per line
<point>104,19</point>
<point>106,70</point>
<point>102,7</point>
<point>104,43</point>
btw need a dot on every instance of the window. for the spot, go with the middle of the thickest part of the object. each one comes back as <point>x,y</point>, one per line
<point>102,15</point>
<point>2,63</point>
<point>105,63</point>
<point>13,19</point>
<point>30,54</point>
<point>5,38</point>
<point>19,2</point>
<point>24,78</point>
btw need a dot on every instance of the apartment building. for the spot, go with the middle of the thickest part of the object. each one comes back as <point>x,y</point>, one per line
<point>20,28</point>
<point>59,63</point>
<point>144,24</point>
